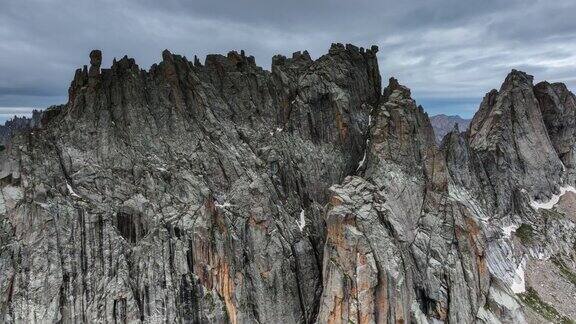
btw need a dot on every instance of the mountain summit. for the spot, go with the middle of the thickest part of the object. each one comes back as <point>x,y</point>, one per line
<point>220,192</point>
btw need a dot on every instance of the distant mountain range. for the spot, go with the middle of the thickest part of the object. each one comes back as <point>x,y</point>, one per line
<point>17,124</point>
<point>443,124</point>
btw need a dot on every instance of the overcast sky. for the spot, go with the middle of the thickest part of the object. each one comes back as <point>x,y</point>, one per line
<point>449,52</point>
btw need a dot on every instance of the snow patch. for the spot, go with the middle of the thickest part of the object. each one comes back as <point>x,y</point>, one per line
<point>71,191</point>
<point>509,229</point>
<point>302,222</point>
<point>518,283</point>
<point>361,163</point>
<point>507,302</point>
<point>224,205</point>
<point>277,130</point>
<point>553,201</point>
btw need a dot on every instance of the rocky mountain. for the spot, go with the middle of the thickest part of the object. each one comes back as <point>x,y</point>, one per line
<point>444,124</point>
<point>18,124</point>
<point>225,193</point>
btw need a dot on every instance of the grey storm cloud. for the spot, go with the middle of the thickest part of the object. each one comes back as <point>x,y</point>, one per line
<point>449,52</point>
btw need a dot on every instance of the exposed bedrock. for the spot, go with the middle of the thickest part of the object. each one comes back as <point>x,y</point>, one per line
<point>220,192</point>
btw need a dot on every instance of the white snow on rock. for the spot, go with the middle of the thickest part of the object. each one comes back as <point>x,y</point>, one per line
<point>224,205</point>
<point>361,163</point>
<point>518,284</point>
<point>302,222</point>
<point>509,229</point>
<point>71,191</point>
<point>554,200</point>
<point>504,301</point>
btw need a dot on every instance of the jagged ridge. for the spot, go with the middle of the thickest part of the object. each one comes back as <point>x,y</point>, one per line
<point>221,192</point>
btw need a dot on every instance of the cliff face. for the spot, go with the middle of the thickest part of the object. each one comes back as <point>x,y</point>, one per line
<point>221,192</point>
<point>558,107</point>
<point>398,248</point>
<point>511,139</point>
<point>189,192</point>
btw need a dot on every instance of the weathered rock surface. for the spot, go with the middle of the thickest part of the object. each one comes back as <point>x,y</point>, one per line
<point>506,168</point>
<point>558,107</point>
<point>18,124</point>
<point>225,193</point>
<point>398,247</point>
<point>510,138</point>
<point>185,193</point>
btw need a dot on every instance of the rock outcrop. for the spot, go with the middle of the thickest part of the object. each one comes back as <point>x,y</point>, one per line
<point>224,193</point>
<point>183,193</point>
<point>397,246</point>
<point>510,138</point>
<point>558,108</point>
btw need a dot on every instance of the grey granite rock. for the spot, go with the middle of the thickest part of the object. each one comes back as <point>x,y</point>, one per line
<point>510,138</point>
<point>558,107</point>
<point>184,193</point>
<point>220,192</point>
<point>20,124</point>
<point>398,248</point>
